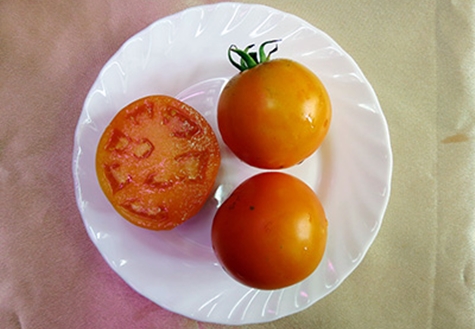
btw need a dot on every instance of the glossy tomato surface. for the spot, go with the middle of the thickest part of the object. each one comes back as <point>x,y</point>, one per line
<point>274,115</point>
<point>157,162</point>
<point>271,232</point>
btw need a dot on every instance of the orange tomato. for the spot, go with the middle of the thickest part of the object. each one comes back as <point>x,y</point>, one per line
<point>271,232</point>
<point>273,114</point>
<point>157,162</point>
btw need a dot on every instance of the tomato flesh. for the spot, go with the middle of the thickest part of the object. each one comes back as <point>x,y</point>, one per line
<point>157,162</point>
<point>274,115</point>
<point>271,232</point>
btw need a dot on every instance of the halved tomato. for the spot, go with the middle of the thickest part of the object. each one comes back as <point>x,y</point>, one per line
<point>157,162</point>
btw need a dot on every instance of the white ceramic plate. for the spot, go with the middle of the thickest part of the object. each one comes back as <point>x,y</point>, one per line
<point>185,55</point>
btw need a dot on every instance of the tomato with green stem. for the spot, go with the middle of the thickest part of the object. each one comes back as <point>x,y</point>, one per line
<point>275,113</point>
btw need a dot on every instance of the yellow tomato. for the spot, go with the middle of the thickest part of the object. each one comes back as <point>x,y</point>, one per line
<point>274,114</point>
<point>271,232</point>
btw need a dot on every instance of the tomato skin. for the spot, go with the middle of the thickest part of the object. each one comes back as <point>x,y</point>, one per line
<point>157,162</point>
<point>271,232</point>
<point>274,115</point>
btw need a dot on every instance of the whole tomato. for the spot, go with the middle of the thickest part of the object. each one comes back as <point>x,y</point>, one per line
<point>271,232</point>
<point>274,113</point>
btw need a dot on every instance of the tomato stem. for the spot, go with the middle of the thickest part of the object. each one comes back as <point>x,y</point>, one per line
<point>251,59</point>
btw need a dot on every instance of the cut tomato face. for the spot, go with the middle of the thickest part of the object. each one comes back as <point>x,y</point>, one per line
<point>157,162</point>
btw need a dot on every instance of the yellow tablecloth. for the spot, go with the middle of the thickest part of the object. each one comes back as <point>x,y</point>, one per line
<point>419,58</point>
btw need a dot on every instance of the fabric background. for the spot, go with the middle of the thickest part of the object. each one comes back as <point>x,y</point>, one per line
<point>419,57</point>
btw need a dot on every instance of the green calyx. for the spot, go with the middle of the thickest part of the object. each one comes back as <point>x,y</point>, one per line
<point>251,59</point>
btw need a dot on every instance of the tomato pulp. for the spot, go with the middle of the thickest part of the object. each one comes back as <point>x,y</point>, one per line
<point>157,162</point>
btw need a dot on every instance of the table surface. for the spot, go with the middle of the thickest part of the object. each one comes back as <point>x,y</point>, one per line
<point>418,56</point>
